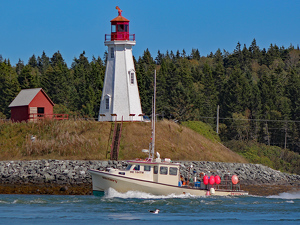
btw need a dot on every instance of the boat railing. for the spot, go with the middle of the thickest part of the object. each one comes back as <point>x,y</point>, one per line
<point>226,184</point>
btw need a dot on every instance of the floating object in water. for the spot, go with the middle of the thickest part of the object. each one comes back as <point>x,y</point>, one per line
<point>156,211</point>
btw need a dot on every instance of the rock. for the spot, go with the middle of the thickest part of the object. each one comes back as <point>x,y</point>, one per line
<point>65,188</point>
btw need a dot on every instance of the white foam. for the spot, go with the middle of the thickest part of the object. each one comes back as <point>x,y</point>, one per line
<point>286,195</point>
<point>112,193</point>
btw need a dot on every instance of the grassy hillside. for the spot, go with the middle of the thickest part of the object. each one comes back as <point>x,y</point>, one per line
<point>272,156</point>
<point>89,140</point>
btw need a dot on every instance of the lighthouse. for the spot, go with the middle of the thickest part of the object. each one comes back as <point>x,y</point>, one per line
<point>120,98</point>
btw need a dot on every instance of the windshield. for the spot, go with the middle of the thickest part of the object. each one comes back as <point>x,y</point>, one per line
<point>128,167</point>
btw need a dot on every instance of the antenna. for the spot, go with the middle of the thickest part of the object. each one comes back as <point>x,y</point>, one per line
<point>153,118</point>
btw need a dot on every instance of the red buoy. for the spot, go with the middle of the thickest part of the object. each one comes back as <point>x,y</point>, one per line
<point>205,180</point>
<point>234,179</point>
<point>217,179</point>
<point>211,180</point>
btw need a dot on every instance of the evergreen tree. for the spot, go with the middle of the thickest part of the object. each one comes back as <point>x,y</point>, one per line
<point>9,87</point>
<point>26,78</point>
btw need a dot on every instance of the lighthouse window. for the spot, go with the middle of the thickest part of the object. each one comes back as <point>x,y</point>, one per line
<point>126,28</point>
<point>121,27</point>
<point>132,78</point>
<point>112,53</point>
<point>113,28</point>
<point>107,103</point>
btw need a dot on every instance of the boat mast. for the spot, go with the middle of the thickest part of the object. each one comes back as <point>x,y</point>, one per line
<point>153,117</point>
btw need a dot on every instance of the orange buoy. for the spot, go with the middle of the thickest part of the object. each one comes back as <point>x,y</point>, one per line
<point>211,180</point>
<point>234,179</point>
<point>217,179</point>
<point>205,180</point>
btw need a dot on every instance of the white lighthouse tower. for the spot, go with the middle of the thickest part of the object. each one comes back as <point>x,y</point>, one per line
<point>120,95</point>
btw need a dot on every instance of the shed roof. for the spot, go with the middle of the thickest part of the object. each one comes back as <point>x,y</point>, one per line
<point>26,96</point>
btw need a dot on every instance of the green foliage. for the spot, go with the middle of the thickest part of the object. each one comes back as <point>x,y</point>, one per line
<point>271,156</point>
<point>256,89</point>
<point>203,129</point>
<point>9,86</point>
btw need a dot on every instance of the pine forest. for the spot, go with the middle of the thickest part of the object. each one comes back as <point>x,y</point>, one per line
<point>256,90</point>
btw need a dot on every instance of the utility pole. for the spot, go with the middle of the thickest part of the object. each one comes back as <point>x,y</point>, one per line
<point>218,109</point>
<point>285,137</point>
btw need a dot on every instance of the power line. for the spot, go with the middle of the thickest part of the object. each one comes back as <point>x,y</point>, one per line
<point>259,120</point>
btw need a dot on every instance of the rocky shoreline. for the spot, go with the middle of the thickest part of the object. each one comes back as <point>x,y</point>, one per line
<point>72,177</point>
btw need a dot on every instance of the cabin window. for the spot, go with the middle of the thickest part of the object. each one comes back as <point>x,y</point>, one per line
<point>163,170</point>
<point>137,167</point>
<point>113,28</point>
<point>147,168</point>
<point>155,171</point>
<point>173,171</point>
<point>128,167</point>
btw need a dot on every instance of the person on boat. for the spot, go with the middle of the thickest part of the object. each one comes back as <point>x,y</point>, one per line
<point>186,181</point>
<point>182,180</point>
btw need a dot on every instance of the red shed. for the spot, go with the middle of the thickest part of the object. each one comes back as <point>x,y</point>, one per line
<point>30,105</point>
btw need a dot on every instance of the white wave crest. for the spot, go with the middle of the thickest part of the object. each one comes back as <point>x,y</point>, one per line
<point>287,195</point>
<point>112,193</point>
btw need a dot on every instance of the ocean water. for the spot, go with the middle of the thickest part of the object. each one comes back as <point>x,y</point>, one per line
<point>133,208</point>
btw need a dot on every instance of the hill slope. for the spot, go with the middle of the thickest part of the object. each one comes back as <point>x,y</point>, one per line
<point>88,140</point>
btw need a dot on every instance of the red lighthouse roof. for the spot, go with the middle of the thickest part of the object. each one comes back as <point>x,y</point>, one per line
<point>119,18</point>
<point>119,29</point>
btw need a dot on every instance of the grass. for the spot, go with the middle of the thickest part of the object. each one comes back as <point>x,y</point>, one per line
<point>272,156</point>
<point>88,140</point>
<point>203,129</point>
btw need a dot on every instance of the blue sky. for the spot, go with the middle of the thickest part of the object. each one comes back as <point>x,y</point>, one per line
<point>73,26</point>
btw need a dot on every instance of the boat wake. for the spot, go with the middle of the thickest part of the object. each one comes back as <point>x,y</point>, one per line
<point>112,193</point>
<point>287,195</point>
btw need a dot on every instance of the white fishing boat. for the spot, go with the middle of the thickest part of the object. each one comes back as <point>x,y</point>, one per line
<point>159,177</point>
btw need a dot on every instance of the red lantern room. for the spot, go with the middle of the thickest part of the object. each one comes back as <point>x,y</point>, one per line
<point>120,29</point>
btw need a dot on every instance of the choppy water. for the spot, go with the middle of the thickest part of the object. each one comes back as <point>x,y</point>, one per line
<point>133,208</point>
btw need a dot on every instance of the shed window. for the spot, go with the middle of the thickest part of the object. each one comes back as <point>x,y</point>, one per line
<point>173,171</point>
<point>163,170</point>
<point>40,111</point>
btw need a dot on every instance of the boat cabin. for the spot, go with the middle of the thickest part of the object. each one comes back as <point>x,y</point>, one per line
<point>158,171</point>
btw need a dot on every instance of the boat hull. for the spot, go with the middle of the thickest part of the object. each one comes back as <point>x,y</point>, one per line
<point>102,181</point>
